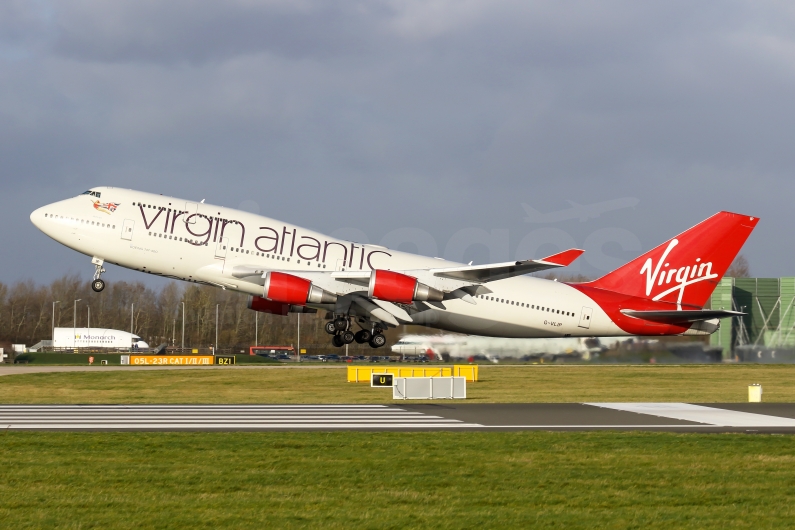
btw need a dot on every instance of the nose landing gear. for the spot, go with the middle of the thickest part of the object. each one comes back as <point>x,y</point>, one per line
<point>98,284</point>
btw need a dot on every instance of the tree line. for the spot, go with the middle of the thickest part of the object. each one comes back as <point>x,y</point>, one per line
<point>156,315</point>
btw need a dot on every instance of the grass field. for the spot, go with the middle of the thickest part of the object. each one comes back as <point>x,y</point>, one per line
<point>546,384</point>
<point>395,480</point>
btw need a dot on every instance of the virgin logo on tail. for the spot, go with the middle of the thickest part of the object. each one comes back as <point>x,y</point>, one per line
<point>662,274</point>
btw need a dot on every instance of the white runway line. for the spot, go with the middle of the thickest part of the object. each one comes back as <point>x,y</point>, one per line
<point>710,416</point>
<point>239,426</point>
<point>218,417</point>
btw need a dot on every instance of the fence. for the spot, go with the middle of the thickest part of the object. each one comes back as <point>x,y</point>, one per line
<point>363,374</point>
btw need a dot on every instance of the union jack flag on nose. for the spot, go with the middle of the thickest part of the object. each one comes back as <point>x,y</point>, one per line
<point>107,207</point>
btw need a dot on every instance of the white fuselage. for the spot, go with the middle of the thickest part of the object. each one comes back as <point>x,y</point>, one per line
<point>464,346</point>
<point>215,245</point>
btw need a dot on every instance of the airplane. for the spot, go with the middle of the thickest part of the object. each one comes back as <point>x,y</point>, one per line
<point>583,212</point>
<point>287,269</point>
<point>496,348</point>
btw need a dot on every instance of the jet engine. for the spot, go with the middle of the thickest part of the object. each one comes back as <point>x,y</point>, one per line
<point>263,305</point>
<point>289,289</point>
<point>400,288</point>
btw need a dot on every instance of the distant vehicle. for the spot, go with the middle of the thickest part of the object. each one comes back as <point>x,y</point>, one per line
<point>97,338</point>
<point>466,346</point>
<point>271,351</point>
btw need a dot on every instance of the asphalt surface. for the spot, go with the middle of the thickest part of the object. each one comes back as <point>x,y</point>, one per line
<point>674,417</point>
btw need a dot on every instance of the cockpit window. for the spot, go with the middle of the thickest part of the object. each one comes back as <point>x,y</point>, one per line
<point>92,193</point>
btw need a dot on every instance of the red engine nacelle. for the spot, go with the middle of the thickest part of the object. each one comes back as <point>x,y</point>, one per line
<point>263,305</point>
<point>257,303</point>
<point>289,289</point>
<point>400,288</point>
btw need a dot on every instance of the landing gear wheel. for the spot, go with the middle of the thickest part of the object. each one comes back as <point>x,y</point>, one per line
<point>347,337</point>
<point>363,336</point>
<point>377,341</point>
<point>330,328</point>
<point>337,341</point>
<point>341,324</point>
<point>98,285</point>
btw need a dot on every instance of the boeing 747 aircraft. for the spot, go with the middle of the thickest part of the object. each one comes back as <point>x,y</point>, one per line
<point>288,269</point>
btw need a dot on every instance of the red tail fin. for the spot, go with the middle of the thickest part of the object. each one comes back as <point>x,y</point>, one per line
<point>684,270</point>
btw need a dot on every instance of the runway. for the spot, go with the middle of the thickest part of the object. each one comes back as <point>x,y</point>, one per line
<point>675,417</point>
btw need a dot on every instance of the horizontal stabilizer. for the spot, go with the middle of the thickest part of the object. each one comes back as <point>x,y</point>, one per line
<point>674,317</point>
<point>500,271</point>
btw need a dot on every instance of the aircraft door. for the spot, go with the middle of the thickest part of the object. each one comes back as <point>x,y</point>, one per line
<point>127,229</point>
<point>585,317</point>
<point>220,248</point>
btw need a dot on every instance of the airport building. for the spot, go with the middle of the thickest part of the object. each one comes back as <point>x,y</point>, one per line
<point>767,329</point>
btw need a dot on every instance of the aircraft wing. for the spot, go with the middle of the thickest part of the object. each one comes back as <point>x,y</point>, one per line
<point>685,316</point>
<point>354,284</point>
<point>500,271</point>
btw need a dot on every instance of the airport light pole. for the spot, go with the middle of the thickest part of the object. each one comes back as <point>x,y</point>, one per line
<point>256,328</point>
<point>74,324</point>
<point>88,318</point>
<point>183,326</point>
<point>215,351</point>
<point>53,322</point>
<point>298,351</point>
<point>132,321</point>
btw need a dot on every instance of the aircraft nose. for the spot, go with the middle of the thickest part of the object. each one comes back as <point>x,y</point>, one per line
<point>37,217</point>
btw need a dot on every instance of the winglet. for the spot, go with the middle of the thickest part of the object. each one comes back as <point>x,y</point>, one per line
<point>564,258</point>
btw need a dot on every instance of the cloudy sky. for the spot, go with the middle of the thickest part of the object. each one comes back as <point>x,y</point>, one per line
<point>424,125</point>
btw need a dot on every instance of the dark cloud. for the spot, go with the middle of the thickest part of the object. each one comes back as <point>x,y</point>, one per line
<point>399,117</point>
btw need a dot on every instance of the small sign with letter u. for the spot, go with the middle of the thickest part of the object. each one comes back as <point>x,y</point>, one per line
<point>382,380</point>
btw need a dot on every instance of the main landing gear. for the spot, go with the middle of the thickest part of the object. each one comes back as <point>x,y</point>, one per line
<point>98,284</point>
<point>340,327</point>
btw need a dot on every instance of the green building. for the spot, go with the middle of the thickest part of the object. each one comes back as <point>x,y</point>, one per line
<point>770,313</point>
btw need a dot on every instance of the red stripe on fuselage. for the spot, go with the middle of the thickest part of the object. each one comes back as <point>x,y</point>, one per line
<point>612,303</point>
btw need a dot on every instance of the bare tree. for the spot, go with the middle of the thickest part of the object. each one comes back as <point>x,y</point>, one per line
<point>739,268</point>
